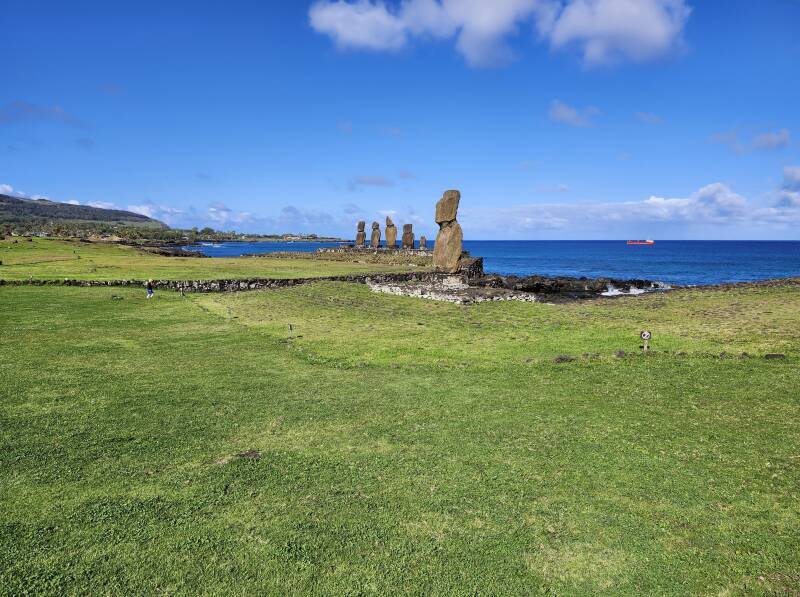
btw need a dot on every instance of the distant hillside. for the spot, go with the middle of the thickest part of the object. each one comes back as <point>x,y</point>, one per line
<point>17,211</point>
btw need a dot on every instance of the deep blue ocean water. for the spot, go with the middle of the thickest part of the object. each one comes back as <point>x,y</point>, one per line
<point>673,262</point>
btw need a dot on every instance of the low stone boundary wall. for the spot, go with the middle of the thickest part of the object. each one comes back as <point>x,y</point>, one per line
<point>471,268</point>
<point>233,285</point>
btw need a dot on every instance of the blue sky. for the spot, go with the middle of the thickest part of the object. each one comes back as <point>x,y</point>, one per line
<point>556,119</point>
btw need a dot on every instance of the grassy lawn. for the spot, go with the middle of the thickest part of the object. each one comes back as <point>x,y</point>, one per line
<point>46,259</point>
<point>405,446</point>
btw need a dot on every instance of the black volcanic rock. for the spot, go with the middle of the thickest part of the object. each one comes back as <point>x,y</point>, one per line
<point>565,286</point>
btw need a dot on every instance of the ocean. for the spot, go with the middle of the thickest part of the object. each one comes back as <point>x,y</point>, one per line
<point>672,262</point>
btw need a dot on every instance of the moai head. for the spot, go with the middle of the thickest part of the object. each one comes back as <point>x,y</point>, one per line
<point>447,207</point>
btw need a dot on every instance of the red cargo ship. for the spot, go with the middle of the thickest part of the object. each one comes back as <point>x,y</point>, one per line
<point>641,242</point>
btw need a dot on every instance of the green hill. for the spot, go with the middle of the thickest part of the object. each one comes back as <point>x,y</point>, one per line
<point>16,211</point>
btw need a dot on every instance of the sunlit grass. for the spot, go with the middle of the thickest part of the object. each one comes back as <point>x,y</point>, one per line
<point>43,259</point>
<point>405,446</point>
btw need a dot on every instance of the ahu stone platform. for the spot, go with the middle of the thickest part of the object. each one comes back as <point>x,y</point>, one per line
<point>383,250</point>
<point>449,288</point>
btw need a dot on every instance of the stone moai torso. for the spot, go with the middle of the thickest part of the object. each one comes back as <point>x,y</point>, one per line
<point>408,236</point>
<point>361,236</point>
<point>449,240</point>
<point>423,242</point>
<point>391,233</point>
<point>375,241</point>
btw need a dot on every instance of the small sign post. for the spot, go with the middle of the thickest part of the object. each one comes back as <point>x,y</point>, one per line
<point>645,335</point>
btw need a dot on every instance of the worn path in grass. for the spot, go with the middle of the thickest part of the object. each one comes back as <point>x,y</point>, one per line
<point>405,446</point>
<point>47,259</point>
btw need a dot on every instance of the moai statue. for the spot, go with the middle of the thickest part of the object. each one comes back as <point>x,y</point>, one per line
<point>375,242</point>
<point>361,236</point>
<point>423,243</point>
<point>449,240</point>
<point>408,236</point>
<point>391,233</point>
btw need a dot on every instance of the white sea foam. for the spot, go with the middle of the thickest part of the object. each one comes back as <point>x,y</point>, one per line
<point>614,291</point>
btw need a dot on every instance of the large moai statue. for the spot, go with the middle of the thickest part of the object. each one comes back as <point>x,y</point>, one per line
<point>391,233</point>
<point>361,236</point>
<point>375,241</point>
<point>408,236</point>
<point>449,240</point>
<point>423,243</point>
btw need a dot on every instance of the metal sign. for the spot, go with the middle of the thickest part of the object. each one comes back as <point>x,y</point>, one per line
<point>645,335</point>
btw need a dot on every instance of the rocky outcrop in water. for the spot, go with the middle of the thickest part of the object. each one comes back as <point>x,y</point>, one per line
<point>449,240</point>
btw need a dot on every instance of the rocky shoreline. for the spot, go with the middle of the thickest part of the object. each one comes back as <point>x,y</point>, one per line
<point>444,287</point>
<point>573,288</point>
<point>484,288</point>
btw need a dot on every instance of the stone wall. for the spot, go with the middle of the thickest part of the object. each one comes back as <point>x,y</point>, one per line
<point>229,285</point>
<point>472,270</point>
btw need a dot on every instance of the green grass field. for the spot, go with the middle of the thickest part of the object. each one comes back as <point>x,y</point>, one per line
<point>47,259</point>
<point>404,446</point>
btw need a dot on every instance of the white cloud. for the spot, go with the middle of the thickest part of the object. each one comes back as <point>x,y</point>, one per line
<point>222,215</point>
<point>73,202</point>
<point>145,210</point>
<point>162,213</point>
<point>769,140</point>
<point>603,30</point>
<point>102,204</point>
<point>712,206</point>
<point>611,30</point>
<point>360,25</point>
<point>483,27</point>
<point>788,195</point>
<point>7,189</point>
<point>562,112</point>
<point>717,202</point>
<point>772,140</point>
<point>788,199</point>
<point>791,177</point>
